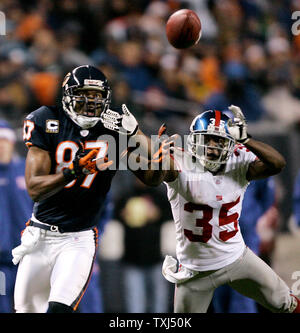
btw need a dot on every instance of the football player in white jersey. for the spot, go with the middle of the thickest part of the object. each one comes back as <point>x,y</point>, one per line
<point>206,186</point>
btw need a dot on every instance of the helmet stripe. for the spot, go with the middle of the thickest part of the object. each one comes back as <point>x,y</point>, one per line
<point>218,118</point>
<point>74,75</point>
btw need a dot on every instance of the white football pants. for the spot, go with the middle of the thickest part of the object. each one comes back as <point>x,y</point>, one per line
<point>249,275</point>
<point>58,269</point>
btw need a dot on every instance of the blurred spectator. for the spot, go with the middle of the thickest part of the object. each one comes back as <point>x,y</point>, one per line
<point>134,70</point>
<point>238,91</point>
<point>15,209</point>
<point>282,106</point>
<point>267,229</point>
<point>258,200</point>
<point>279,102</point>
<point>13,95</point>
<point>28,26</point>
<point>256,61</point>
<point>235,62</point>
<point>71,55</point>
<point>90,20</point>
<point>142,213</point>
<point>44,87</point>
<point>296,200</point>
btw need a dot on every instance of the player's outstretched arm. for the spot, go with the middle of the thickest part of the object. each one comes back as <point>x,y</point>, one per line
<point>152,173</point>
<point>270,162</point>
<point>40,184</point>
<point>160,166</point>
<point>155,176</point>
<point>126,124</point>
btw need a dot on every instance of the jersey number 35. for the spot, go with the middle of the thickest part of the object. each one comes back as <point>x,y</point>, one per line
<point>224,219</point>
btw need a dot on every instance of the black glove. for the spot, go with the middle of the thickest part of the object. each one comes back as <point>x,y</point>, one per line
<point>83,164</point>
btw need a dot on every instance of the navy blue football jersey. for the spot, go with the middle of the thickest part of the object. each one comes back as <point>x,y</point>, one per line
<point>79,204</point>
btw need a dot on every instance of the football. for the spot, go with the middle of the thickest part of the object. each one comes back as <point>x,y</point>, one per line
<point>183,29</point>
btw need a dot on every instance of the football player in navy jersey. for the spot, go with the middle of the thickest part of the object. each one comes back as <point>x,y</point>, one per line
<point>68,176</point>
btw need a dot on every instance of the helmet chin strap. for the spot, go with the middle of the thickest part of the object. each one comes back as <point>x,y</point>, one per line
<point>86,122</point>
<point>210,165</point>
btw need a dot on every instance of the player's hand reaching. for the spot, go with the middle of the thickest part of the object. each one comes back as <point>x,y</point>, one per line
<point>124,123</point>
<point>237,127</point>
<point>86,163</point>
<point>166,145</point>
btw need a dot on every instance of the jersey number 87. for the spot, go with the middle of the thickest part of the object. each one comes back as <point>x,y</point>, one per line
<point>72,147</point>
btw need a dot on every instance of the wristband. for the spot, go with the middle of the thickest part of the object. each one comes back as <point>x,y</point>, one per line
<point>69,174</point>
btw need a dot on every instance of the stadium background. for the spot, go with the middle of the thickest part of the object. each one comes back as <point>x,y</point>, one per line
<point>247,56</point>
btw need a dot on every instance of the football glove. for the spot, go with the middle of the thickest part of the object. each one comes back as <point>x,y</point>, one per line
<point>85,164</point>
<point>237,127</point>
<point>124,123</point>
<point>166,145</point>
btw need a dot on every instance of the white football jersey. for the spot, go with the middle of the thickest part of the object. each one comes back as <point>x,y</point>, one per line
<point>206,209</point>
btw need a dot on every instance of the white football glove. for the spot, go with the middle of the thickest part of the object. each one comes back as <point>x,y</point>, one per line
<point>125,123</point>
<point>238,126</point>
<point>29,240</point>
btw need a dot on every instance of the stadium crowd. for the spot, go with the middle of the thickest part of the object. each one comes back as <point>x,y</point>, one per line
<point>247,53</point>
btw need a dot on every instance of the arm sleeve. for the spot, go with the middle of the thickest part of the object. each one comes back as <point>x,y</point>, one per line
<point>244,158</point>
<point>34,130</point>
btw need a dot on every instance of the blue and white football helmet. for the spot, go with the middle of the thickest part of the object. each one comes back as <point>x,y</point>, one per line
<point>210,124</point>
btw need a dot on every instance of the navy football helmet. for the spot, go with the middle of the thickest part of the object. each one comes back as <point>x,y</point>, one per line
<point>85,111</point>
<point>209,139</point>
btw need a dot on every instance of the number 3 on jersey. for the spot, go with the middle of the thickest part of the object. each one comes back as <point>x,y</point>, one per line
<point>207,228</point>
<point>72,147</point>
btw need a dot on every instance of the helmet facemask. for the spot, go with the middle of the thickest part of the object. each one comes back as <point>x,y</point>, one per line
<point>212,149</point>
<point>82,109</point>
<point>80,100</point>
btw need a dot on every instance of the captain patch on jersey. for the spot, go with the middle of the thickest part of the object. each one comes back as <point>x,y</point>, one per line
<point>52,126</point>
